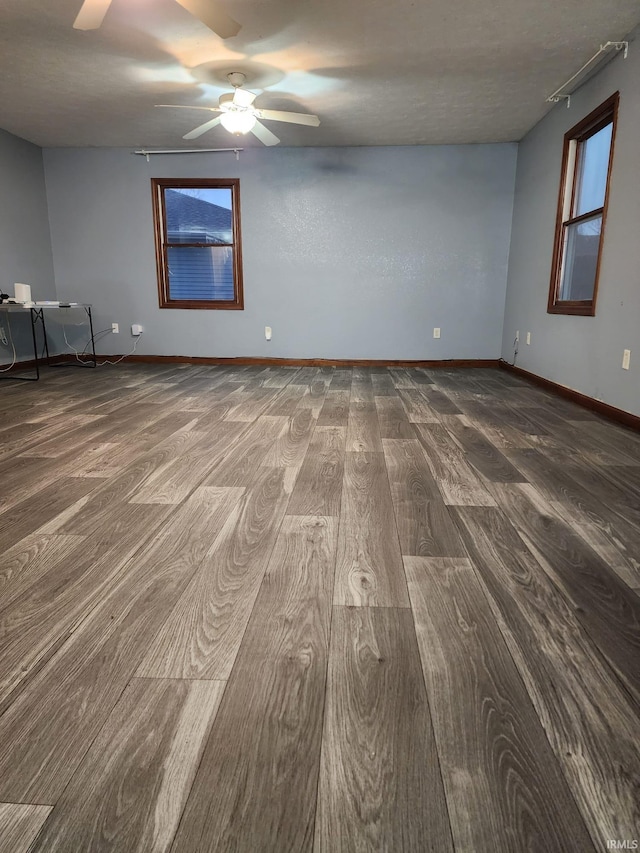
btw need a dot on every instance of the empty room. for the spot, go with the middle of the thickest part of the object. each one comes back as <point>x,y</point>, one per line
<point>319,426</point>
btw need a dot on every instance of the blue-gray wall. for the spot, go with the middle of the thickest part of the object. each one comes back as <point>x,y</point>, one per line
<point>583,353</point>
<point>25,246</point>
<point>348,253</point>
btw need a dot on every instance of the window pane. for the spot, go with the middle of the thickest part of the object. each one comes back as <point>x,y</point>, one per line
<point>581,246</point>
<point>202,274</point>
<point>592,170</point>
<point>197,215</point>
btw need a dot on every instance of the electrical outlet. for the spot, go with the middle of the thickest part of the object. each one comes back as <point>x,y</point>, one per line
<point>436,332</point>
<point>267,332</point>
<point>136,330</point>
<point>626,359</point>
<point>3,336</point>
<point>517,338</point>
<point>529,338</point>
<point>115,328</point>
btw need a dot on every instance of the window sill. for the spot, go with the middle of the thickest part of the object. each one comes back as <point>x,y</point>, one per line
<point>206,306</point>
<point>579,309</point>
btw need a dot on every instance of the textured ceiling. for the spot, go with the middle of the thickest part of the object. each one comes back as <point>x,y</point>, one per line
<point>376,72</point>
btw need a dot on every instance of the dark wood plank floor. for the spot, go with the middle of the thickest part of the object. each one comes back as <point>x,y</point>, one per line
<point>279,609</point>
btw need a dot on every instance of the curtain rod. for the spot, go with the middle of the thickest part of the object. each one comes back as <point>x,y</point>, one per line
<point>619,45</point>
<point>146,153</point>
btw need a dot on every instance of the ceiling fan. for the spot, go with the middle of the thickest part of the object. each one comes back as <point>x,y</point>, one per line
<point>239,116</point>
<point>92,13</point>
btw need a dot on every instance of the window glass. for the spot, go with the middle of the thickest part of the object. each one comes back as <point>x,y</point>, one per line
<point>198,215</point>
<point>582,243</point>
<point>593,165</point>
<point>200,273</point>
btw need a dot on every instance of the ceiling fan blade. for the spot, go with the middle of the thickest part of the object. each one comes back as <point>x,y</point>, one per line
<point>189,107</point>
<point>264,134</point>
<point>292,118</point>
<point>212,16</point>
<point>91,14</point>
<point>243,98</point>
<point>203,128</point>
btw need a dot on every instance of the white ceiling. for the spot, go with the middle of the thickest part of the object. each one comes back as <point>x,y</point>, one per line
<point>376,72</point>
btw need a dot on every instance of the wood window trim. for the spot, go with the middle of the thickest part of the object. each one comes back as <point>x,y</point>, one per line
<point>158,187</point>
<point>603,115</point>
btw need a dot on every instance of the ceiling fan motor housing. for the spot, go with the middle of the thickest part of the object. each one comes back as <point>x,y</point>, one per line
<point>236,78</point>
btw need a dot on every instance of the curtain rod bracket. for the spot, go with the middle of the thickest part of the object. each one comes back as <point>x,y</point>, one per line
<point>555,97</point>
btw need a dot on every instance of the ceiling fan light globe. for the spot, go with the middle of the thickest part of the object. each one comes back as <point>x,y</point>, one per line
<point>238,123</point>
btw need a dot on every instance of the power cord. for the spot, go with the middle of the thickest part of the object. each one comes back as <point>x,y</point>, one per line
<point>72,348</point>
<point>117,361</point>
<point>515,353</point>
<point>95,337</point>
<point>13,347</point>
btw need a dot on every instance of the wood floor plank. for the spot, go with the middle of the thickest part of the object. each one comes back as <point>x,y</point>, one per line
<point>382,383</point>
<point>45,606</point>
<point>380,786</point>
<point>201,637</point>
<point>341,379</point>
<point>279,377</point>
<point>19,825</point>
<point>237,465</point>
<point>31,558</point>
<point>416,406</point>
<point>83,428</point>
<point>424,525</point>
<point>520,417</point>
<point>602,539</point>
<point>618,521</point>
<point>588,717</point>
<point>305,376</point>
<point>313,398</point>
<point>619,438</point>
<point>441,403</point>
<point>606,607</point>
<point>393,419</point>
<point>30,475</point>
<point>286,401</point>
<point>505,790</point>
<point>369,570</point>
<point>457,481</point>
<point>595,446</point>
<point>363,429</point>
<point>292,443</point>
<point>174,481</point>
<point>257,782</point>
<point>484,456</point>
<point>335,409</point>
<point>112,461</point>
<point>28,515</point>
<point>362,389</point>
<point>108,497</point>
<point>420,376</point>
<point>249,405</point>
<point>51,724</point>
<point>401,378</point>
<point>145,759</point>
<point>318,487</point>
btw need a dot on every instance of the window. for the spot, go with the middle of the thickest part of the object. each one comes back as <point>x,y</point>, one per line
<point>582,209</point>
<point>198,247</point>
